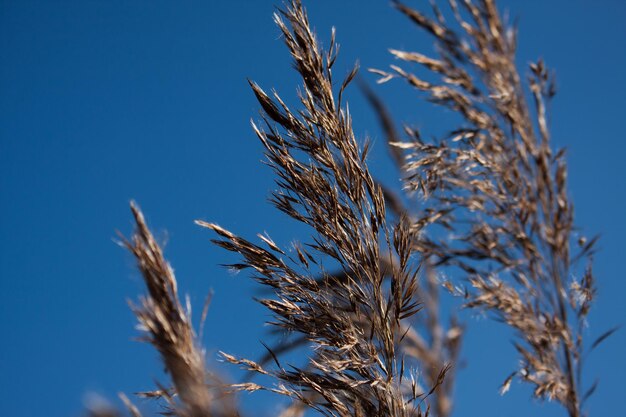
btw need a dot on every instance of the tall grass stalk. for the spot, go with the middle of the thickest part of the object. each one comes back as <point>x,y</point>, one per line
<point>494,215</point>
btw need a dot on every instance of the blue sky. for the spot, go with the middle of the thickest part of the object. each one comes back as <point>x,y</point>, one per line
<point>106,101</point>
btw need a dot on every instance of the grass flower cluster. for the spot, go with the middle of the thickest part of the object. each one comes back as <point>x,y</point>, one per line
<point>494,214</point>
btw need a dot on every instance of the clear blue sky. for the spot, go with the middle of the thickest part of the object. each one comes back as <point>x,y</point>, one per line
<point>106,101</point>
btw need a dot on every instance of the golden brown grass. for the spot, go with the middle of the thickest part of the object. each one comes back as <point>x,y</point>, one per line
<point>494,185</point>
<point>499,190</point>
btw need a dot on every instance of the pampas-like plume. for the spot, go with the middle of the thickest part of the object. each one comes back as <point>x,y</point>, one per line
<point>495,211</point>
<point>354,324</point>
<point>499,192</point>
<point>168,328</point>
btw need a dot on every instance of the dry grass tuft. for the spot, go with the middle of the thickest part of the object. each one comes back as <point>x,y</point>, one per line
<point>354,324</point>
<point>167,327</point>
<point>497,192</point>
<point>494,213</point>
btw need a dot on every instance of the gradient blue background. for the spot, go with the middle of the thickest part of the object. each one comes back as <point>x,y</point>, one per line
<point>106,101</point>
